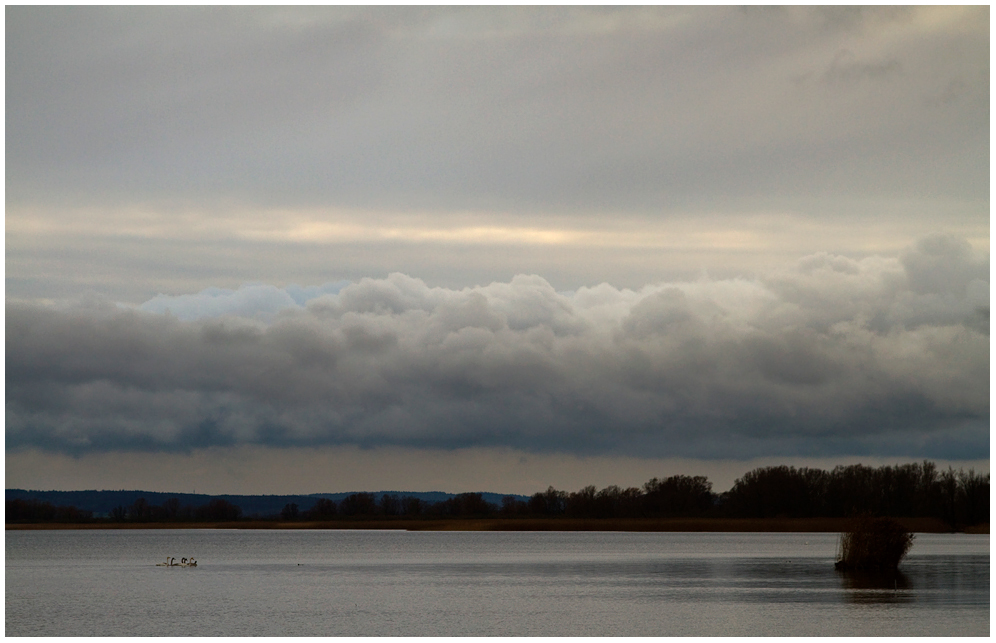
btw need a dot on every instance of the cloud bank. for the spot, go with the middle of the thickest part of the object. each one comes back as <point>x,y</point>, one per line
<point>881,356</point>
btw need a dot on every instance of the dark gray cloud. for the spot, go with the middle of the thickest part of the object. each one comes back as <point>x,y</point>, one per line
<point>513,109</point>
<point>838,356</point>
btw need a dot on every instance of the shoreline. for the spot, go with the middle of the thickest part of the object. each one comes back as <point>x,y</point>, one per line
<point>759,525</point>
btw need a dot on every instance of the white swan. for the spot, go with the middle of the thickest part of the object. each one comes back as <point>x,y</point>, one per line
<point>184,562</point>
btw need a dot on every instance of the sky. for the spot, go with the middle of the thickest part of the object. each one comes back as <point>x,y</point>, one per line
<point>298,250</point>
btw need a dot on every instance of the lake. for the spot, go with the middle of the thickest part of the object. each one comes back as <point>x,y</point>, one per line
<point>391,583</point>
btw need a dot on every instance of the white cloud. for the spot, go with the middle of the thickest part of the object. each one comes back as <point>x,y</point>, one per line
<point>255,301</point>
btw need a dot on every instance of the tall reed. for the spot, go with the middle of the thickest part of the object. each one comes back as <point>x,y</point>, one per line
<point>873,544</point>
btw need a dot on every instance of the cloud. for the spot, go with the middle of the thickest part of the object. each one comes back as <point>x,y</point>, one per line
<point>837,356</point>
<point>253,301</point>
<point>169,149</point>
<point>512,110</point>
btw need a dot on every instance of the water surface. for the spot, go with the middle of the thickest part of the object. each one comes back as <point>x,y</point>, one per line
<point>341,583</point>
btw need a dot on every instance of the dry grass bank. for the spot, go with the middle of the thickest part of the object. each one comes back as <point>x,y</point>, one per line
<point>829,525</point>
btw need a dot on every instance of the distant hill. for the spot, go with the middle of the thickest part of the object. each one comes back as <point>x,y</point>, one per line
<point>101,503</point>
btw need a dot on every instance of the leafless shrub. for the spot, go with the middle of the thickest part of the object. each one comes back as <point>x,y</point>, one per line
<point>873,544</point>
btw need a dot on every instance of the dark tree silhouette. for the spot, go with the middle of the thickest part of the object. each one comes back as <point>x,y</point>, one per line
<point>390,505</point>
<point>218,509</point>
<point>141,510</point>
<point>975,492</point>
<point>548,503</point>
<point>172,508</point>
<point>465,505</point>
<point>948,486</point>
<point>18,510</point>
<point>412,506</point>
<point>512,506</point>
<point>323,509</point>
<point>358,504</point>
<point>678,496</point>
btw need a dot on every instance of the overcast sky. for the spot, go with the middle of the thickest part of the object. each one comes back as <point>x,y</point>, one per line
<point>482,249</point>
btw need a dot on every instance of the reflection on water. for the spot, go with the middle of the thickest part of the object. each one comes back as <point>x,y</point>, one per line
<point>874,587</point>
<point>875,580</point>
<point>331,583</point>
<point>956,581</point>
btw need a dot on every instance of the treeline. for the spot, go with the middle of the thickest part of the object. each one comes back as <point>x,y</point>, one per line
<point>958,498</point>
<point>31,511</point>
<point>366,505</point>
<point>36,511</point>
<point>906,490</point>
<point>676,496</point>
